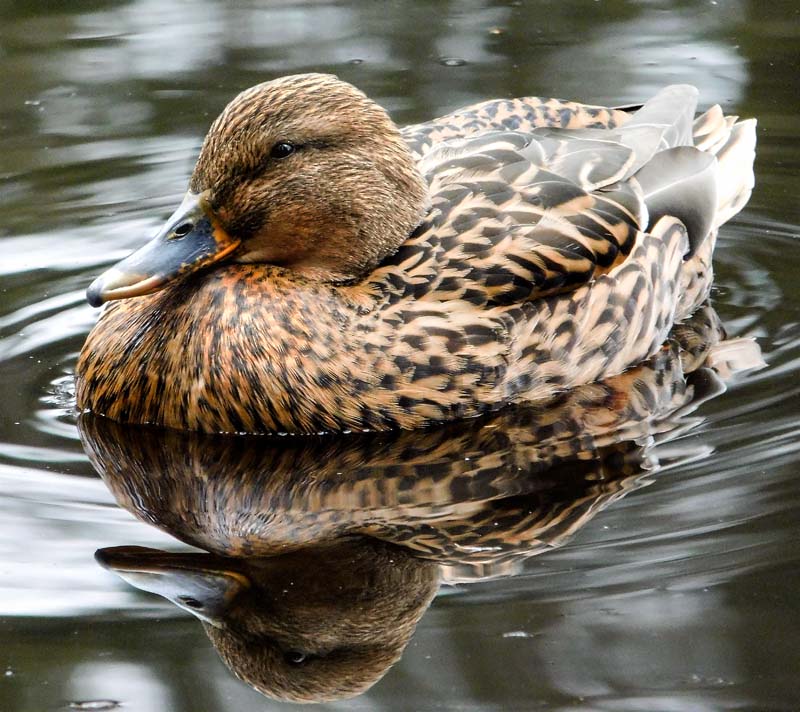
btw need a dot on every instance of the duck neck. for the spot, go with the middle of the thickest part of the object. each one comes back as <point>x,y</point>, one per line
<point>384,214</point>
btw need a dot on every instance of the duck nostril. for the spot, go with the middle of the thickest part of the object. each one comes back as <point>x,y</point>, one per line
<point>183,229</point>
<point>190,602</point>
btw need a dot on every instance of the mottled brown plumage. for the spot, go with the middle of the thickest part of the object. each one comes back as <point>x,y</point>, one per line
<point>326,551</point>
<point>379,279</point>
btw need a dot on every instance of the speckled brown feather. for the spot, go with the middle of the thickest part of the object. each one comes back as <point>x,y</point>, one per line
<point>519,283</point>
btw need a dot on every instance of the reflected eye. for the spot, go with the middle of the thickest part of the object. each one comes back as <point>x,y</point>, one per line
<point>295,657</point>
<point>282,149</point>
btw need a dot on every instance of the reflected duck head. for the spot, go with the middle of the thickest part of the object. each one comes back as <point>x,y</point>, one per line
<point>281,180</point>
<point>314,625</point>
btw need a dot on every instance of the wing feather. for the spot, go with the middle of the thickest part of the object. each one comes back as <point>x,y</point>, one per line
<point>534,197</point>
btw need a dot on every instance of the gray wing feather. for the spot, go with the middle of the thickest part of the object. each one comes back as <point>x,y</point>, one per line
<point>681,182</point>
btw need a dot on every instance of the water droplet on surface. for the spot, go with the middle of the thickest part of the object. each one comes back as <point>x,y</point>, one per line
<point>496,30</point>
<point>95,705</point>
<point>452,61</point>
<point>355,61</point>
<point>517,634</point>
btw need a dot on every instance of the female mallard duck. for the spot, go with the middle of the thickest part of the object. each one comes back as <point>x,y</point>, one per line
<point>329,271</point>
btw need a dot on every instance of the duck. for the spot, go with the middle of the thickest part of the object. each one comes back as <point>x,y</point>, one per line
<point>329,271</point>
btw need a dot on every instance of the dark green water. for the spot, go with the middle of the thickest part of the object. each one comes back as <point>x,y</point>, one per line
<point>681,596</point>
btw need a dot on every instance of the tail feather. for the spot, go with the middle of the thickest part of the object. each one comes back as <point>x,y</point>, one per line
<point>733,142</point>
<point>736,179</point>
<point>710,130</point>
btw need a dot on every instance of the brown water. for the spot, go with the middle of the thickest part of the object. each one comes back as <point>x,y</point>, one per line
<point>681,595</point>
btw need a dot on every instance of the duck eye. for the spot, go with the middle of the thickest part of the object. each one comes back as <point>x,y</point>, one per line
<point>282,149</point>
<point>295,657</point>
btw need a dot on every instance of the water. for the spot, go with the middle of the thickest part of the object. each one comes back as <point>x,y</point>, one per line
<point>679,595</point>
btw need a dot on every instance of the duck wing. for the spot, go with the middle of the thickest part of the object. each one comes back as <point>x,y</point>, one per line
<point>522,115</point>
<point>517,215</point>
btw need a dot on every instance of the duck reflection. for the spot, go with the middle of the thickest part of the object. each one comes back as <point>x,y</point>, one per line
<point>324,552</point>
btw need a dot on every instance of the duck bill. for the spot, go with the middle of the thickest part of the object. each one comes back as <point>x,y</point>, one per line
<point>191,239</point>
<point>202,584</point>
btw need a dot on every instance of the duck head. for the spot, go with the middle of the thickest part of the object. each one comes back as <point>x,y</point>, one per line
<point>303,172</point>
